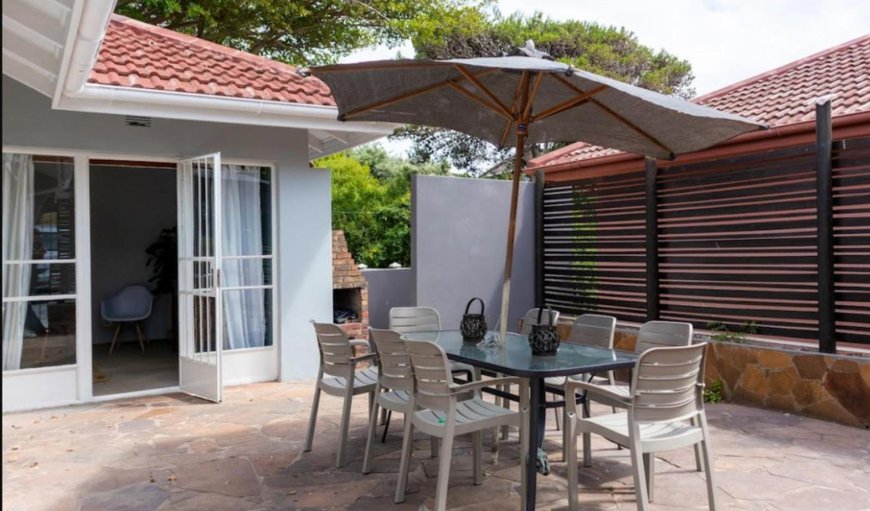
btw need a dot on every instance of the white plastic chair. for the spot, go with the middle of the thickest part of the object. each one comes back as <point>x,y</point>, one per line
<point>590,330</point>
<point>395,385</point>
<point>652,334</point>
<point>338,376</point>
<point>132,304</point>
<point>446,415</point>
<point>531,319</point>
<point>406,320</point>
<point>665,411</point>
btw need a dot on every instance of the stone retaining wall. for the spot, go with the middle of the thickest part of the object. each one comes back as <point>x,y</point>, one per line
<point>830,387</point>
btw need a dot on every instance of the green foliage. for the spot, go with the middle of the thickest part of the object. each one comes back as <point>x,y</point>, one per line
<point>609,51</point>
<point>371,202</point>
<point>304,32</point>
<point>713,393</point>
<point>721,331</point>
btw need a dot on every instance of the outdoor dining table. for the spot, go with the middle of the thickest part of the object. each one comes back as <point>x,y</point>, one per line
<point>515,359</point>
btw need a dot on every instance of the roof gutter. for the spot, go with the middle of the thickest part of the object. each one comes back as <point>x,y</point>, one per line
<point>844,126</point>
<point>108,99</point>
<point>88,24</point>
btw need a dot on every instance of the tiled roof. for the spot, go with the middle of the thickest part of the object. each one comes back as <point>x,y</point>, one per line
<point>139,55</point>
<point>778,97</point>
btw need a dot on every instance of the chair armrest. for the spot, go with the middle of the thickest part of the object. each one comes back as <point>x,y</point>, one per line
<point>363,358</point>
<point>571,387</point>
<point>359,342</point>
<point>467,387</point>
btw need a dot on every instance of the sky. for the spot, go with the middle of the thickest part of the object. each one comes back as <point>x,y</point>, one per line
<point>725,41</point>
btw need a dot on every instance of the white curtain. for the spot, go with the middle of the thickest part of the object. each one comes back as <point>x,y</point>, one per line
<point>244,311</point>
<point>17,245</point>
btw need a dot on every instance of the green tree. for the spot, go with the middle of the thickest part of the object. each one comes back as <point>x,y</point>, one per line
<point>303,32</point>
<point>371,202</point>
<point>609,51</point>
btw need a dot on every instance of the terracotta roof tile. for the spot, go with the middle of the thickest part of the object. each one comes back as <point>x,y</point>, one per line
<point>135,54</point>
<point>778,97</point>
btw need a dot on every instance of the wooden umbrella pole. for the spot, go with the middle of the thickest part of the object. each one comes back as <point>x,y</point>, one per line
<point>522,132</point>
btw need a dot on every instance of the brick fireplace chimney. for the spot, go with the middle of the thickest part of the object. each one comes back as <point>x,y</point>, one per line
<point>350,294</point>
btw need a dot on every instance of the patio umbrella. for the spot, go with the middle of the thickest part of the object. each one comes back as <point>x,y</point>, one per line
<point>532,97</point>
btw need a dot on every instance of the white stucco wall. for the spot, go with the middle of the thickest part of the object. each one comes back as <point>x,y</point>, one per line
<point>304,288</point>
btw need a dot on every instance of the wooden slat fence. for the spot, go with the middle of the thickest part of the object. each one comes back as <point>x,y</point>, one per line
<point>736,238</point>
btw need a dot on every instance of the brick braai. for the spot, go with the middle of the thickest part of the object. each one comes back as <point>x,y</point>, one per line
<point>349,289</point>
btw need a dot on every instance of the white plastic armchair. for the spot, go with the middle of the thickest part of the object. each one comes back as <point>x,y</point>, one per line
<point>443,413</point>
<point>665,411</point>
<point>339,376</point>
<point>652,334</point>
<point>590,330</point>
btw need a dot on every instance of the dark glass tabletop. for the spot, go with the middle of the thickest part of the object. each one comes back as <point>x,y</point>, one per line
<point>516,357</point>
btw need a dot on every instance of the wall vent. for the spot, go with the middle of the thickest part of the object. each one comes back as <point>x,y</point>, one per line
<point>137,121</point>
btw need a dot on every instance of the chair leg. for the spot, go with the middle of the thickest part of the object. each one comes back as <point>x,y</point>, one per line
<point>570,450</point>
<point>637,466</point>
<point>384,417</point>
<point>477,448</point>
<point>505,430</point>
<point>373,425</point>
<point>115,338</point>
<point>697,447</point>
<point>386,424</point>
<point>444,466</point>
<point>557,415</point>
<point>141,339</point>
<point>341,456</point>
<point>649,460</point>
<point>565,438</point>
<point>708,463</point>
<point>405,461</point>
<point>309,439</point>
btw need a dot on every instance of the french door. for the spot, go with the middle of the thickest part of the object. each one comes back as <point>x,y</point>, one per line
<point>200,302</point>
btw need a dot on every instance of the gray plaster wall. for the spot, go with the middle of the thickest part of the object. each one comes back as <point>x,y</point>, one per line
<point>124,222</point>
<point>388,288</point>
<point>304,244</point>
<point>459,234</point>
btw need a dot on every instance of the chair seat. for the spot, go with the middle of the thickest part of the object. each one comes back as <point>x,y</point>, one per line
<point>363,381</point>
<point>471,415</point>
<point>654,436</point>
<point>395,400</point>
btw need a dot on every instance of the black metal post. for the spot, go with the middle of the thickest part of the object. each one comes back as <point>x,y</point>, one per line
<point>652,241</point>
<point>825,219</point>
<point>539,238</point>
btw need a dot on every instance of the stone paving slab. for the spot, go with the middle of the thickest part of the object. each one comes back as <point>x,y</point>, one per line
<point>175,452</point>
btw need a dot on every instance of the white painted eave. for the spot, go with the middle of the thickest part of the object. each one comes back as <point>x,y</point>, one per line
<point>107,99</point>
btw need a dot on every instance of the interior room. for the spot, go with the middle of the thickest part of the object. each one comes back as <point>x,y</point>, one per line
<point>133,276</point>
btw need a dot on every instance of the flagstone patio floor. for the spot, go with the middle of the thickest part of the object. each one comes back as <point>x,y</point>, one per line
<point>174,452</point>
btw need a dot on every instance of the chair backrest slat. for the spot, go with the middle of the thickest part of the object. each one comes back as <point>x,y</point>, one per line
<point>666,383</point>
<point>407,320</point>
<point>395,371</point>
<point>431,374</point>
<point>593,330</point>
<point>656,334</point>
<point>531,319</point>
<point>335,350</point>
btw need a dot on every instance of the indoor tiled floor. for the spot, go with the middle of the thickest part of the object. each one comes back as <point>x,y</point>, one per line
<point>176,452</point>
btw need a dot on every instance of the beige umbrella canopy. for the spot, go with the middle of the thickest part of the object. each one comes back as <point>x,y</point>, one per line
<point>532,97</point>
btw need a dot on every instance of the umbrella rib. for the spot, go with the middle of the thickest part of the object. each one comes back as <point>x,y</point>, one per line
<point>483,88</point>
<point>620,118</point>
<point>408,95</point>
<point>478,99</point>
<point>571,103</point>
<point>527,113</point>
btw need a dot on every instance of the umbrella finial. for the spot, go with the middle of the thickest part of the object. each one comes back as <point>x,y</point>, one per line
<point>529,50</point>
